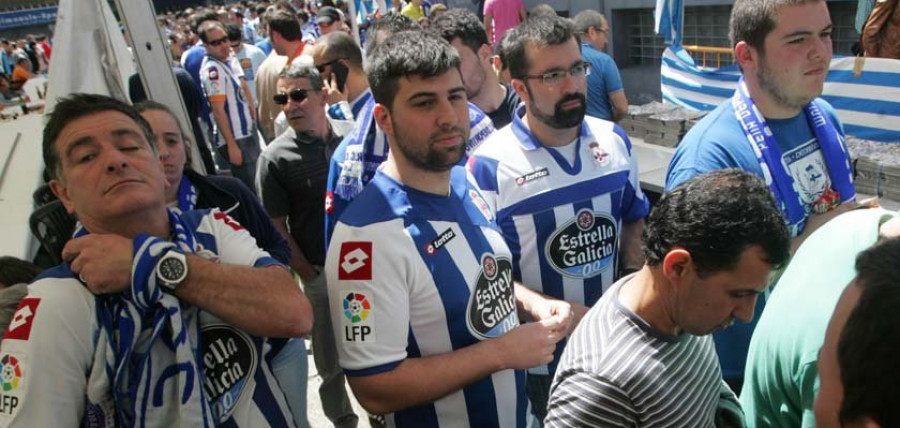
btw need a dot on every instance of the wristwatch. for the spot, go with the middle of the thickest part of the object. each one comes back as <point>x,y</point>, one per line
<point>171,270</point>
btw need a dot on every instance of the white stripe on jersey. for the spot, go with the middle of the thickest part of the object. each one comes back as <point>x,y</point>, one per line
<point>227,82</point>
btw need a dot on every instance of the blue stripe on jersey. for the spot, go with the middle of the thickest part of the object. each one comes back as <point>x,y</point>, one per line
<point>628,200</point>
<point>484,170</point>
<point>624,136</point>
<point>265,401</point>
<point>565,195</point>
<point>373,370</point>
<point>511,236</point>
<point>419,416</point>
<point>544,225</point>
<point>593,286</point>
<point>478,394</point>
<point>230,423</point>
<point>522,409</point>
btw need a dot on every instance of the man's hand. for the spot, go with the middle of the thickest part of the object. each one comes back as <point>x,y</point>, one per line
<point>547,309</point>
<point>333,95</point>
<point>102,262</point>
<point>234,155</point>
<point>530,345</point>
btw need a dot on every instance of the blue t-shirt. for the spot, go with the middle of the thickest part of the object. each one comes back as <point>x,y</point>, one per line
<point>718,142</point>
<point>265,45</point>
<point>604,78</point>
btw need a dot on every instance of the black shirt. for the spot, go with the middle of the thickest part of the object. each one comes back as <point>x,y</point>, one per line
<point>504,114</point>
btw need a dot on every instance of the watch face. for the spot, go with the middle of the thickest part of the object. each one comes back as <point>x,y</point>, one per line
<point>171,269</point>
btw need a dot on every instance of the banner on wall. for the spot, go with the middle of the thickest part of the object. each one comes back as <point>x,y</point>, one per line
<point>27,17</point>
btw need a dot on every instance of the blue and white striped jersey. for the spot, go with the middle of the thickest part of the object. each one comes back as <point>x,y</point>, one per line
<point>222,82</point>
<point>412,274</point>
<point>62,381</point>
<point>561,221</point>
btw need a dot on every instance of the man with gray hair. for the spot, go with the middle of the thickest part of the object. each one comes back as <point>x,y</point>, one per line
<point>291,183</point>
<point>605,95</point>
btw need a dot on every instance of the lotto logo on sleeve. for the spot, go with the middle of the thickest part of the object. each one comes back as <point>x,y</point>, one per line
<point>20,325</point>
<point>356,261</point>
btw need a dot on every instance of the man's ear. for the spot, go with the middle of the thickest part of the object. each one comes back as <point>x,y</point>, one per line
<point>518,85</point>
<point>677,265</point>
<point>746,56</point>
<point>62,192</point>
<point>484,54</point>
<point>383,118</point>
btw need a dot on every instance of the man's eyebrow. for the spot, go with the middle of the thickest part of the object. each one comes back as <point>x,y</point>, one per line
<point>807,32</point>
<point>125,132</point>
<point>83,141</point>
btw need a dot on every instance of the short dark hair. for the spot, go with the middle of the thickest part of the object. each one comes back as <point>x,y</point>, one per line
<point>233,32</point>
<point>340,45</point>
<point>185,137</point>
<point>869,345</point>
<point>285,23</point>
<point>539,31</point>
<point>15,271</point>
<point>74,107</point>
<point>716,216</point>
<point>200,17</point>
<point>460,24</point>
<point>408,53</point>
<point>753,20</point>
<point>208,26</point>
<point>383,27</point>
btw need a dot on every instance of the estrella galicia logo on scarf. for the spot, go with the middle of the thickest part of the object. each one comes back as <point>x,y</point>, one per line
<point>492,304</point>
<point>229,362</point>
<point>583,247</point>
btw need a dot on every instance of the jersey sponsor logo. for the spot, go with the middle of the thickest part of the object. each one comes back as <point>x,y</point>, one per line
<point>358,318</point>
<point>219,215</point>
<point>213,74</point>
<point>356,261</point>
<point>329,203</point>
<point>492,304</point>
<point>531,176</point>
<point>432,247</point>
<point>20,326</point>
<point>229,363</point>
<point>600,156</point>
<point>584,247</point>
<point>12,383</point>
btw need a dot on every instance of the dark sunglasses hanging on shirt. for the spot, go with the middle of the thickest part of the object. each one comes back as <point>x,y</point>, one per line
<point>297,95</point>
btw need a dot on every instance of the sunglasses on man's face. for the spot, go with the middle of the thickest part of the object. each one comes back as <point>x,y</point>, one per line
<point>217,42</point>
<point>297,96</point>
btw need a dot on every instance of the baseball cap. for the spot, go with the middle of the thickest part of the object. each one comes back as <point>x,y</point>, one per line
<point>327,15</point>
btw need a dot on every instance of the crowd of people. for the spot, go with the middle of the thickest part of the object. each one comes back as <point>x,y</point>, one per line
<point>444,203</point>
<point>19,61</point>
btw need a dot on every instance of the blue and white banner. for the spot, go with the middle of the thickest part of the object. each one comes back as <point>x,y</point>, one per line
<point>669,15</point>
<point>27,17</point>
<point>868,103</point>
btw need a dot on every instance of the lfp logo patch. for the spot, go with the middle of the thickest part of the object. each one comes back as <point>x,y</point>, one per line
<point>359,318</point>
<point>356,307</point>
<point>10,373</point>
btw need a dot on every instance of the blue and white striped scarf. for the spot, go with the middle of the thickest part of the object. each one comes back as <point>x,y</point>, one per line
<point>152,343</point>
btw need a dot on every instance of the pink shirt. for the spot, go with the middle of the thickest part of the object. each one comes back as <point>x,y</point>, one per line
<point>505,14</point>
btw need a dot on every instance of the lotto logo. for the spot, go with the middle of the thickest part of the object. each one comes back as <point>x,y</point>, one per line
<point>356,261</point>
<point>20,326</point>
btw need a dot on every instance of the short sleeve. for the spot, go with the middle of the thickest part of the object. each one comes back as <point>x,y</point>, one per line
<point>236,246</point>
<point>368,272</point>
<point>635,204</point>
<point>611,75</point>
<point>46,356</point>
<point>236,67</point>
<point>214,82</point>
<point>580,399</point>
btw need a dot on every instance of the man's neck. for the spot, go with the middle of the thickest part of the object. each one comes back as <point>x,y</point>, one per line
<point>437,183</point>
<point>550,137</point>
<point>153,222</point>
<point>321,130</point>
<point>356,85</point>
<point>291,49</point>
<point>646,295</point>
<point>768,105</point>
<point>492,93</point>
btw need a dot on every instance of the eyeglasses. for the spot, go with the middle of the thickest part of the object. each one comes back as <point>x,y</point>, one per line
<point>551,78</point>
<point>217,42</point>
<point>602,30</point>
<point>297,96</point>
<point>321,67</point>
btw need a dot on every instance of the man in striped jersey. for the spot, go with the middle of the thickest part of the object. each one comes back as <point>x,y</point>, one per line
<point>156,318</point>
<point>231,103</point>
<point>643,356</point>
<point>424,307</point>
<point>565,188</point>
